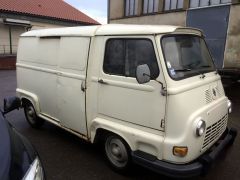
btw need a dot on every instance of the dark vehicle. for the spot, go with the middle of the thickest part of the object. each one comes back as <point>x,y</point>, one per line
<point>18,159</point>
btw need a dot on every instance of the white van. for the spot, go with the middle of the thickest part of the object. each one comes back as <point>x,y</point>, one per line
<point>151,94</point>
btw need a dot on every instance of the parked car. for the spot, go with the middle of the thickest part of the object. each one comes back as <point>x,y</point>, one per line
<point>19,160</point>
<point>152,94</point>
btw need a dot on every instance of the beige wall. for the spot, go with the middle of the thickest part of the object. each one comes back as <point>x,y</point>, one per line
<point>38,25</point>
<point>16,31</point>
<point>176,18</point>
<point>116,9</point>
<point>232,51</point>
<point>4,38</point>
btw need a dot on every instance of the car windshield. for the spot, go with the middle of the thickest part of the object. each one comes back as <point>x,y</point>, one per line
<point>186,56</point>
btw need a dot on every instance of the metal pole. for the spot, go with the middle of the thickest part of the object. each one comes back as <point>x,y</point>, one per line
<point>10,39</point>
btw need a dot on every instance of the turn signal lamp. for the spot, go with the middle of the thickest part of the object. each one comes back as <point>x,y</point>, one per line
<point>180,151</point>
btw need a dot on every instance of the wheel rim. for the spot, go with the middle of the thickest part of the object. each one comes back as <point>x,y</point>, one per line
<point>116,152</point>
<point>31,115</point>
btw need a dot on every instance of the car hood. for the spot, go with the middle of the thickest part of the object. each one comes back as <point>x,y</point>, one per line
<point>5,150</point>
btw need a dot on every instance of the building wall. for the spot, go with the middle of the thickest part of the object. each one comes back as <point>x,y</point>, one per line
<point>38,25</point>
<point>158,19</point>
<point>116,14</point>
<point>4,38</point>
<point>8,60</point>
<point>116,9</point>
<point>232,50</point>
<point>16,31</point>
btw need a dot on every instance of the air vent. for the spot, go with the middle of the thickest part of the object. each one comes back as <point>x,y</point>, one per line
<point>219,92</point>
<point>208,96</point>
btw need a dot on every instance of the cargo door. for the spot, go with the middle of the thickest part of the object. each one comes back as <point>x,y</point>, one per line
<point>71,82</point>
<point>214,23</point>
<point>120,97</point>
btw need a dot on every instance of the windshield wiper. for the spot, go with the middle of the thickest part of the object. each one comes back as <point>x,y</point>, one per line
<point>182,70</point>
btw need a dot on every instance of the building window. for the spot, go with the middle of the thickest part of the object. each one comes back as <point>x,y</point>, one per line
<point>173,5</point>
<point>131,7</point>
<point>203,3</point>
<point>122,56</point>
<point>150,6</point>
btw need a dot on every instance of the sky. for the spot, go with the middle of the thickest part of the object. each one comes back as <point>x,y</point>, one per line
<point>96,9</point>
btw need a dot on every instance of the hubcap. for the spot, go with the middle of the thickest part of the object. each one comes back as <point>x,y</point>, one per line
<point>31,114</point>
<point>116,152</point>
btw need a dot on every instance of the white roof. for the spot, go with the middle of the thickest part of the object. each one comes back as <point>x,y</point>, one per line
<point>110,29</point>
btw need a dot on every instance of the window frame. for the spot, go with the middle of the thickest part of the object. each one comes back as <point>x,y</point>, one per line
<point>130,38</point>
<point>135,9</point>
<point>172,10</point>
<point>148,12</point>
<point>210,4</point>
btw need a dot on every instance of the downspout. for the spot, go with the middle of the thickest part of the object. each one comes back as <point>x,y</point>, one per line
<point>10,38</point>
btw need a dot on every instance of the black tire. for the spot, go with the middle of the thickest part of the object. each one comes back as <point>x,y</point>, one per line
<point>117,153</point>
<point>31,116</point>
<point>233,132</point>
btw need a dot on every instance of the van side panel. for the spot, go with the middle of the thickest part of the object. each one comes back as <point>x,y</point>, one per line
<point>53,69</point>
<point>37,70</point>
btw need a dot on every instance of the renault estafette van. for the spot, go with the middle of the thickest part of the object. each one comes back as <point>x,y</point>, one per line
<point>150,94</point>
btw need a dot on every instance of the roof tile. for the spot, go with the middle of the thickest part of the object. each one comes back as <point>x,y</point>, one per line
<point>48,8</point>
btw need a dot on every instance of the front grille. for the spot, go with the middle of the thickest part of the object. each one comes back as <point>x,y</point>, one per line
<point>214,131</point>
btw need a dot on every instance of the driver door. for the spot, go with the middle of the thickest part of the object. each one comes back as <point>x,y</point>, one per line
<point>121,97</point>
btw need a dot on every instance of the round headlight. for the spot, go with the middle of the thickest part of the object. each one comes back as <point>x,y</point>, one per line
<point>201,126</point>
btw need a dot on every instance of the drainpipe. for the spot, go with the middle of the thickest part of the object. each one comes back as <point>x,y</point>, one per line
<point>10,38</point>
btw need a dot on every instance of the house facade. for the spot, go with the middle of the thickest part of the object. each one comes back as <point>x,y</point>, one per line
<point>219,20</point>
<point>17,17</point>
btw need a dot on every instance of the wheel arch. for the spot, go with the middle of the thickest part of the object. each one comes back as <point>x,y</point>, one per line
<point>136,138</point>
<point>102,132</point>
<point>26,97</point>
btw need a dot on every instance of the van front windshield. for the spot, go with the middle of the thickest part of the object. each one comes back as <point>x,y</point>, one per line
<point>186,56</point>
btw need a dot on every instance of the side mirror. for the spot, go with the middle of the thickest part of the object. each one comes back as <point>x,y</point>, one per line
<point>143,74</point>
<point>11,103</point>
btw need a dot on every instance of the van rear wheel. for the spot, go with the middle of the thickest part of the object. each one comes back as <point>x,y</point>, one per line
<point>117,153</point>
<point>32,117</point>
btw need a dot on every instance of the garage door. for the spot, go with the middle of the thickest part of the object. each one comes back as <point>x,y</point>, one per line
<point>214,23</point>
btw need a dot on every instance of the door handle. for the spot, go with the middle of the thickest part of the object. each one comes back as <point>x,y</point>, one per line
<point>102,81</point>
<point>83,86</point>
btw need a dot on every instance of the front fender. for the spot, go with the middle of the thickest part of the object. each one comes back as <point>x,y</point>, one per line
<point>136,137</point>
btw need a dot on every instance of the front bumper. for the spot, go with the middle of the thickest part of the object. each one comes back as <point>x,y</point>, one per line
<point>195,168</point>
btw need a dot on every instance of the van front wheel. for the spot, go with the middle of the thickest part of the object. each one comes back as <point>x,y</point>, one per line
<point>117,153</point>
<point>32,117</point>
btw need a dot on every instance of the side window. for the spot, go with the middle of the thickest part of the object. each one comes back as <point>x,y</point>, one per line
<point>114,57</point>
<point>122,56</point>
<point>131,7</point>
<point>173,5</point>
<point>150,6</point>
